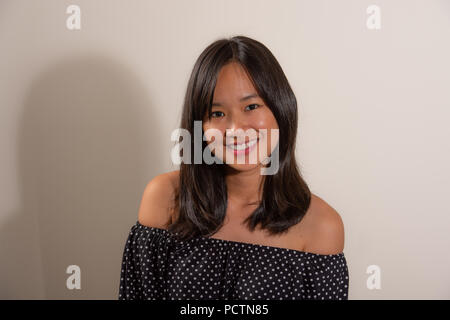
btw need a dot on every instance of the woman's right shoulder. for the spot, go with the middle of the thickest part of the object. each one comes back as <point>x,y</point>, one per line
<point>156,205</point>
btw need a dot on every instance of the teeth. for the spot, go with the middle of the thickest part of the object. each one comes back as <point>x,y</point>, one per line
<point>242,146</point>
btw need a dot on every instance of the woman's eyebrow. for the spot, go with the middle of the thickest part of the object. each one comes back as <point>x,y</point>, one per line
<point>253,95</point>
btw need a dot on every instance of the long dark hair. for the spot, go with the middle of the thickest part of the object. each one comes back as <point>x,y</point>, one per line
<point>201,196</point>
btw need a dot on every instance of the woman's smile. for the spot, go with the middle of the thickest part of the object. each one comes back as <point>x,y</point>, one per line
<point>243,148</point>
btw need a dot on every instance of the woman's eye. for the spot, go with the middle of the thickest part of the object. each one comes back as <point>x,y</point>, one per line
<point>256,106</point>
<point>214,114</point>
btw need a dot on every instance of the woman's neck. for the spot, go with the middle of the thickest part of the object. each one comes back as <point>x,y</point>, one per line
<point>244,187</point>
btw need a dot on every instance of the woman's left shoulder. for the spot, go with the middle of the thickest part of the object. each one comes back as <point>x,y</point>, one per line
<point>326,228</point>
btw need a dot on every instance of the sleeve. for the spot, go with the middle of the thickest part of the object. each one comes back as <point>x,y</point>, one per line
<point>340,278</point>
<point>143,273</point>
<point>327,278</point>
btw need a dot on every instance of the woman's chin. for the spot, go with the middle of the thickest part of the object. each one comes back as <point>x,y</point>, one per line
<point>243,167</point>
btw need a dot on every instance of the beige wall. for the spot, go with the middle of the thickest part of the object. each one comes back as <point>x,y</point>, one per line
<point>86,117</point>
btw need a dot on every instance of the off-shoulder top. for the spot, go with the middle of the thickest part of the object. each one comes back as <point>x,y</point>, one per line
<point>158,266</point>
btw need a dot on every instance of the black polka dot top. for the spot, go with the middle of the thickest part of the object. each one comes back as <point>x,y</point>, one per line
<point>156,265</point>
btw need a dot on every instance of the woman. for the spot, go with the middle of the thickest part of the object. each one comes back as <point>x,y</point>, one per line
<point>228,229</point>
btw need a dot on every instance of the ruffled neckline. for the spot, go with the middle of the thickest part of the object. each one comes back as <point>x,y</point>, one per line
<point>239,243</point>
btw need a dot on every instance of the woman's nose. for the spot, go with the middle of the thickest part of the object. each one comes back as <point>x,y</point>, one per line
<point>237,123</point>
<point>238,130</point>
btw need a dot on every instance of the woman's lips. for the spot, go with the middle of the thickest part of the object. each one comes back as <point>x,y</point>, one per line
<point>244,148</point>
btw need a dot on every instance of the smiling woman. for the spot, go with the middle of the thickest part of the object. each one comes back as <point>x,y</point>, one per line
<point>237,85</point>
<point>223,230</point>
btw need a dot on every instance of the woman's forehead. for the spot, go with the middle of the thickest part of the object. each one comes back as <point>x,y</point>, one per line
<point>232,83</point>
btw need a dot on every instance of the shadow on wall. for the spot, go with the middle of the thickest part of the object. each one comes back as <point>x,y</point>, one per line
<point>83,164</point>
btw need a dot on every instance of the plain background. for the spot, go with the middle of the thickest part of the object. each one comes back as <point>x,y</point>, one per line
<point>86,118</point>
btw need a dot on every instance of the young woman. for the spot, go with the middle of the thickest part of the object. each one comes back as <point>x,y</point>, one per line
<point>226,230</point>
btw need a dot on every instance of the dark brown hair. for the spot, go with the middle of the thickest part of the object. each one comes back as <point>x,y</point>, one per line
<point>201,198</point>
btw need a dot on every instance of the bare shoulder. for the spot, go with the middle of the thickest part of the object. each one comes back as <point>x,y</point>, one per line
<point>156,202</point>
<point>325,228</point>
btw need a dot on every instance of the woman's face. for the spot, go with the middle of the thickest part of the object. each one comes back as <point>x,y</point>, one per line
<point>238,108</point>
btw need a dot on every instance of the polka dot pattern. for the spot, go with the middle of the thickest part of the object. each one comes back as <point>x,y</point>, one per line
<point>157,266</point>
